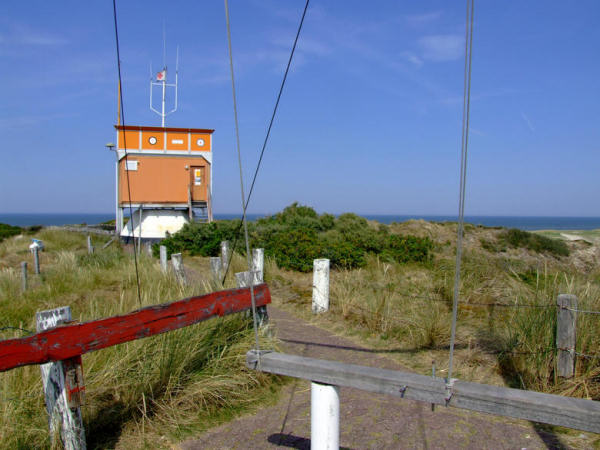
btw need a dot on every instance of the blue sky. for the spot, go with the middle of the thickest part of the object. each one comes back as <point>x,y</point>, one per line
<point>369,121</point>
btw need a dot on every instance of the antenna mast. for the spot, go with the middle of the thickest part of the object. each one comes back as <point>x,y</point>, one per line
<point>161,80</point>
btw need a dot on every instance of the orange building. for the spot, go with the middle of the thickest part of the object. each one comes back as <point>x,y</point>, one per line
<point>165,174</point>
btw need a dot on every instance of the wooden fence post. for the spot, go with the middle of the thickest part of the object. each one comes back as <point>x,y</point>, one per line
<point>225,253</point>
<point>258,263</point>
<point>64,416</point>
<point>216,269</point>
<point>23,276</point>
<point>36,260</point>
<point>566,335</point>
<point>90,247</point>
<point>177,261</point>
<point>320,294</point>
<point>149,249</point>
<point>243,279</point>
<point>163,259</point>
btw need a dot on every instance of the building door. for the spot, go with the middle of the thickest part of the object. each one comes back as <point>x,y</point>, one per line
<point>198,183</point>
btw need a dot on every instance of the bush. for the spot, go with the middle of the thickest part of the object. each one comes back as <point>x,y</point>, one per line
<point>518,238</point>
<point>297,235</point>
<point>7,231</point>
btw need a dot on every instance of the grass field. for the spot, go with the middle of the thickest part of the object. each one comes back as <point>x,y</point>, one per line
<point>147,393</point>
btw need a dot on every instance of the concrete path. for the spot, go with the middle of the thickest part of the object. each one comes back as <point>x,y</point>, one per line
<point>367,420</point>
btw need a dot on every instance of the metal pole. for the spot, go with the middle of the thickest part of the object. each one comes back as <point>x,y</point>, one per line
<point>324,416</point>
<point>36,260</point>
<point>162,116</point>
<point>23,276</point>
<point>163,258</point>
<point>320,295</point>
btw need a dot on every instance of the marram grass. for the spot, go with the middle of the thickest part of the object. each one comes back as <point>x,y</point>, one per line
<point>147,393</point>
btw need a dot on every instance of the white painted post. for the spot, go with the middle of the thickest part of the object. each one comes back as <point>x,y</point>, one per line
<point>258,263</point>
<point>565,334</point>
<point>225,253</point>
<point>324,416</point>
<point>36,260</point>
<point>320,295</point>
<point>163,259</point>
<point>62,419</point>
<point>23,276</point>
<point>177,261</point>
<point>243,279</point>
<point>216,268</point>
<point>90,247</point>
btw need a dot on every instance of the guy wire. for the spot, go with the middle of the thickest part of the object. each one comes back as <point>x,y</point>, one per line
<point>137,273</point>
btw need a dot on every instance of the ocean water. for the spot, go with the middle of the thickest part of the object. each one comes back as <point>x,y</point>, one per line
<point>521,222</point>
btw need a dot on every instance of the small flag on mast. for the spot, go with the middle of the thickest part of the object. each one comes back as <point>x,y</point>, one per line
<point>162,75</point>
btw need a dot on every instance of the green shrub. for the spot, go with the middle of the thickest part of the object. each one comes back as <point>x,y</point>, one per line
<point>8,231</point>
<point>297,235</point>
<point>523,239</point>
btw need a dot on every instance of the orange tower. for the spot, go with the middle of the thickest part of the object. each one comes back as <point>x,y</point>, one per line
<point>165,175</point>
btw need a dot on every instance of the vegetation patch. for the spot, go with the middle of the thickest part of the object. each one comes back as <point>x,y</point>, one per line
<point>297,235</point>
<point>540,244</point>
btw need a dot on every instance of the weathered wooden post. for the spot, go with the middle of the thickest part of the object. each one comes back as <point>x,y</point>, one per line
<point>90,247</point>
<point>216,269</point>
<point>63,387</point>
<point>324,416</point>
<point>258,263</point>
<point>225,254</point>
<point>565,334</point>
<point>244,279</point>
<point>149,249</point>
<point>23,276</point>
<point>177,261</point>
<point>320,294</point>
<point>36,260</point>
<point>163,259</point>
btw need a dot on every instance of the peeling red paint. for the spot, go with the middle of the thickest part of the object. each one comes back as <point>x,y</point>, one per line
<point>69,341</point>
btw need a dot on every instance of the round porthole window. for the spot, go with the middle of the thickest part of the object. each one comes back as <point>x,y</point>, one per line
<point>200,142</point>
<point>152,140</point>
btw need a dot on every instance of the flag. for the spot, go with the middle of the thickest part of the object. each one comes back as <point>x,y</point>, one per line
<point>162,75</point>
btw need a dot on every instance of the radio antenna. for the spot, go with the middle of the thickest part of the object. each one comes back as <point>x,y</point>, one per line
<point>161,80</point>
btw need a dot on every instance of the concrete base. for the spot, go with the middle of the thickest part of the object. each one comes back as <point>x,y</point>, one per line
<point>155,224</point>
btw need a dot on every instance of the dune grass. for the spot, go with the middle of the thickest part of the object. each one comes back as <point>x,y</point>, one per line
<point>147,393</point>
<point>405,309</point>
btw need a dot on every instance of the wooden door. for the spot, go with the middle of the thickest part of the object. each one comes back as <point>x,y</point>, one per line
<point>198,183</point>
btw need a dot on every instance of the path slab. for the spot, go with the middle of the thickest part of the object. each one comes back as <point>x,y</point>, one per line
<point>368,421</point>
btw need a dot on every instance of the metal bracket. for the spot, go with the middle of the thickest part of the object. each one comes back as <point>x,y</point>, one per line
<point>449,387</point>
<point>74,384</point>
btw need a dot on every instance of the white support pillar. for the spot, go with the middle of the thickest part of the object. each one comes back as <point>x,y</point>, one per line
<point>324,416</point>
<point>320,295</point>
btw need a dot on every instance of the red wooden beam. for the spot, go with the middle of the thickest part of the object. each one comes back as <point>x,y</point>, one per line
<point>68,341</point>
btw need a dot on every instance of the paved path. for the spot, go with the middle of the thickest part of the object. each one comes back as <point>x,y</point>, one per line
<point>367,420</point>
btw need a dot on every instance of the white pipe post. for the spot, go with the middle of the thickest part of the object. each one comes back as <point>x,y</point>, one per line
<point>324,416</point>
<point>320,295</point>
<point>225,253</point>
<point>258,263</point>
<point>163,259</point>
<point>90,247</point>
<point>36,260</point>
<point>216,268</point>
<point>64,419</point>
<point>177,261</point>
<point>23,276</point>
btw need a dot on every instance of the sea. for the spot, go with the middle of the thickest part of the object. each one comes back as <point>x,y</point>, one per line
<point>521,222</point>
